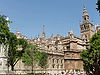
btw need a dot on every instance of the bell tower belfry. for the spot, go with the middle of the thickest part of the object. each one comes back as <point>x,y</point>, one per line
<point>86,28</point>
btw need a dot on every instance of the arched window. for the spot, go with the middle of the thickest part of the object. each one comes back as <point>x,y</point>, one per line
<point>62,66</point>
<point>85,18</point>
<point>61,60</point>
<point>57,60</point>
<point>53,66</point>
<point>53,60</point>
<point>57,66</point>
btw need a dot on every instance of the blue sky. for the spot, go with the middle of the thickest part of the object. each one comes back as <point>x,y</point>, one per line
<point>58,16</point>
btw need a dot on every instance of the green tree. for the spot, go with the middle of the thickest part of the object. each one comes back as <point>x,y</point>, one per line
<point>12,50</point>
<point>10,41</point>
<point>21,46</point>
<point>30,55</point>
<point>43,57</point>
<point>4,30</point>
<point>98,5</point>
<point>43,60</point>
<point>14,53</point>
<point>91,57</point>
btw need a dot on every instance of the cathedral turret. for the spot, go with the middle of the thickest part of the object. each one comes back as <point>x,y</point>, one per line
<point>70,34</point>
<point>87,28</point>
<point>38,37</point>
<point>43,34</point>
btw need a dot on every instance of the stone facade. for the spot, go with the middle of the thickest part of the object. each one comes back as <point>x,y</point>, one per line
<point>3,58</point>
<point>73,46</point>
<point>63,52</point>
<point>52,46</point>
<point>87,28</point>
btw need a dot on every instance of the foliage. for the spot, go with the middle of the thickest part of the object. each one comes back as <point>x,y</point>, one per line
<point>28,51</point>
<point>98,6</point>
<point>32,55</point>
<point>4,29</point>
<point>11,42</point>
<point>43,60</point>
<point>29,55</point>
<point>13,53</point>
<point>23,43</point>
<point>91,57</point>
<point>12,49</point>
<point>21,46</point>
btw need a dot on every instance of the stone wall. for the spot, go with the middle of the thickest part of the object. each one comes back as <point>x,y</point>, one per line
<point>73,64</point>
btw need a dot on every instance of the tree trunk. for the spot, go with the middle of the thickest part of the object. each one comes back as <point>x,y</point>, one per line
<point>32,68</point>
<point>12,67</point>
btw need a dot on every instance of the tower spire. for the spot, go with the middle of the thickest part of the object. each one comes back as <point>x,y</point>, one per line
<point>43,33</point>
<point>87,28</point>
<point>85,14</point>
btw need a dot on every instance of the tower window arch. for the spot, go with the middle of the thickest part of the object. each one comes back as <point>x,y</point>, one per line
<point>85,18</point>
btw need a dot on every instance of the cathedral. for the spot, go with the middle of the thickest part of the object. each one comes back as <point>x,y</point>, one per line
<point>63,52</point>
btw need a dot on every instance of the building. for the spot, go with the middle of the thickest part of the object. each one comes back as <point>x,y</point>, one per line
<point>86,28</point>
<point>97,28</point>
<point>63,52</point>
<point>73,45</point>
<point>52,46</point>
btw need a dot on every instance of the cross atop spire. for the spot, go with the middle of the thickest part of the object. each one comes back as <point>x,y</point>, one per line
<point>43,28</point>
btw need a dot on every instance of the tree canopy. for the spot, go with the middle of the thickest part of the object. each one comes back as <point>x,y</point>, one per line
<point>4,29</point>
<point>33,56</point>
<point>43,60</point>
<point>12,49</point>
<point>91,57</point>
<point>10,42</point>
<point>14,53</point>
<point>29,56</point>
<point>98,5</point>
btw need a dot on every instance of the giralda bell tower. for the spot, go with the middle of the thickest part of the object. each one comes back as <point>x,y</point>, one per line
<point>86,28</point>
